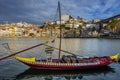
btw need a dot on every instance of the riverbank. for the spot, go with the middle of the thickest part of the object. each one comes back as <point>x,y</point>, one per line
<point>106,37</point>
<point>27,37</point>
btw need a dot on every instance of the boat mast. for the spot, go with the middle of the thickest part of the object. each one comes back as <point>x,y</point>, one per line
<point>59,10</point>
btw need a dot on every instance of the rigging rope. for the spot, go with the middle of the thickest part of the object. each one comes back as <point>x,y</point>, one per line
<point>61,50</point>
<point>45,43</point>
<point>9,55</point>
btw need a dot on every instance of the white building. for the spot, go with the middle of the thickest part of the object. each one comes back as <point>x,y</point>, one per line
<point>65,17</point>
<point>96,20</point>
<point>72,25</point>
<point>90,25</point>
<point>62,22</point>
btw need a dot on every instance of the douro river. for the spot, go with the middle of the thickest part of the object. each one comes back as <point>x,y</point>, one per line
<point>11,69</point>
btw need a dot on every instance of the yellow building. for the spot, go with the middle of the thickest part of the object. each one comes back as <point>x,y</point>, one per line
<point>11,31</point>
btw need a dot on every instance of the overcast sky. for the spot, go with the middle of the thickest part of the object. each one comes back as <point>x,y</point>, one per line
<point>37,11</point>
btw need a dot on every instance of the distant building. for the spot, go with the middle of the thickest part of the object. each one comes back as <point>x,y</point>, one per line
<point>72,25</point>
<point>90,25</point>
<point>106,24</point>
<point>65,17</point>
<point>96,20</point>
<point>69,25</point>
<point>62,22</point>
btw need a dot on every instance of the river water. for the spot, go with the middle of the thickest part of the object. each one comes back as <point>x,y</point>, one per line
<point>11,69</point>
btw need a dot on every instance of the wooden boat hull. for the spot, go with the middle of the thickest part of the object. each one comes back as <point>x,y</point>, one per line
<point>66,66</point>
<point>103,61</point>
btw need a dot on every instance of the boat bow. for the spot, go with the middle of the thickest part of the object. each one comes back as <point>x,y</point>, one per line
<point>25,59</point>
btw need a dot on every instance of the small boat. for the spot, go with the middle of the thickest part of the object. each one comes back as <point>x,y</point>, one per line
<point>65,62</point>
<point>68,62</point>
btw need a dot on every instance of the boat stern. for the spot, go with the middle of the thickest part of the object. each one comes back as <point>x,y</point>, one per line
<point>115,57</point>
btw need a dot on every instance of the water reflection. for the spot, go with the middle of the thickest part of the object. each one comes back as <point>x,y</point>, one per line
<point>66,74</point>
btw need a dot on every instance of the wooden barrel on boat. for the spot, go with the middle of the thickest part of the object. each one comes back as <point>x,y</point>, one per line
<point>69,59</point>
<point>66,59</point>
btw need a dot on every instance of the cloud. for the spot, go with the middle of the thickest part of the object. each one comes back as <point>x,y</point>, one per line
<point>37,11</point>
<point>99,8</point>
<point>108,5</point>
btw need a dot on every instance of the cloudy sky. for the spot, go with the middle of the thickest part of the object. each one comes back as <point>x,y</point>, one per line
<point>37,11</point>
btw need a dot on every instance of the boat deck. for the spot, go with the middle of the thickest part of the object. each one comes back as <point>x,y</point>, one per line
<point>78,60</point>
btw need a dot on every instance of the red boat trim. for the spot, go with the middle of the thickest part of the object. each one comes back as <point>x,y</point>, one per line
<point>64,66</point>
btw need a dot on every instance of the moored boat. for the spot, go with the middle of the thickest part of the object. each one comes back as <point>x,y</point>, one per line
<point>68,64</point>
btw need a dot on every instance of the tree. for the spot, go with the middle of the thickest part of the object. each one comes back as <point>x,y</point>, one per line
<point>63,26</point>
<point>114,25</point>
<point>31,34</point>
<point>71,17</point>
<point>80,27</point>
<point>67,28</point>
<point>84,23</point>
